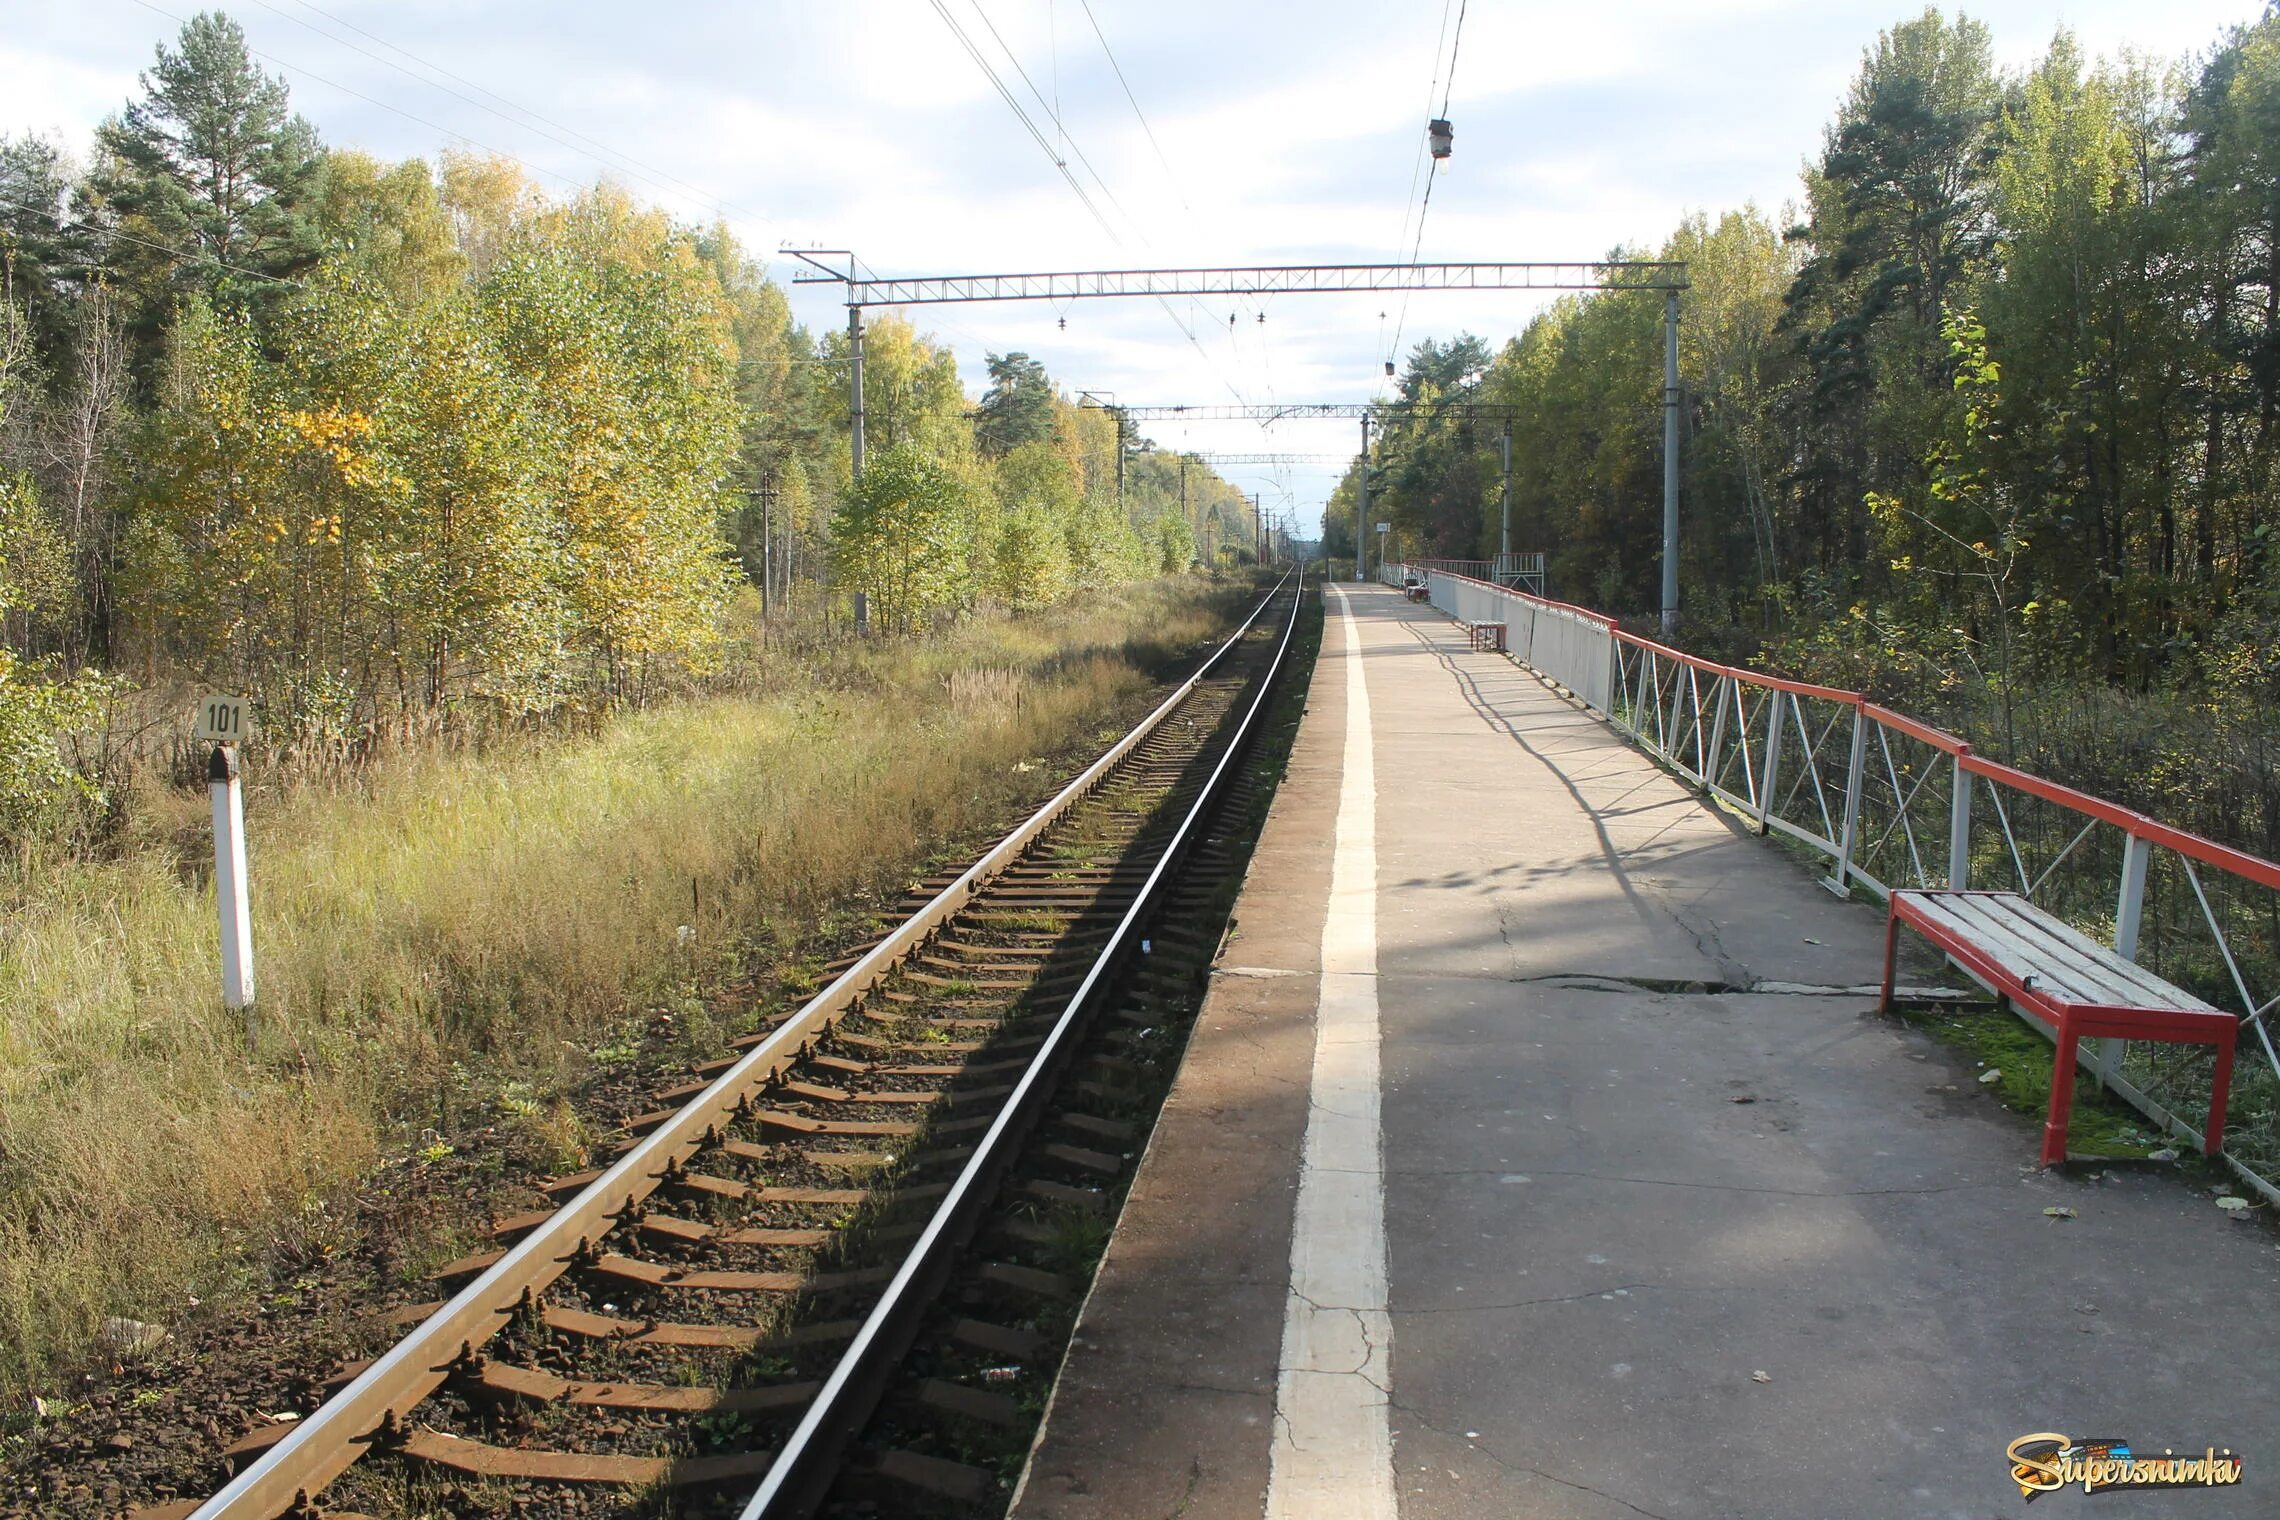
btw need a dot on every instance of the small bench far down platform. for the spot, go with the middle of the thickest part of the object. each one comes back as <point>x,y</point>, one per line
<point>2068,982</point>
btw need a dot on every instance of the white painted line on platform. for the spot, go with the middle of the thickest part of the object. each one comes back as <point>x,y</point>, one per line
<point>1333,1446</point>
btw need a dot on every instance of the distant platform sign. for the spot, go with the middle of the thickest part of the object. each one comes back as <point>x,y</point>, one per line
<point>225,720</point>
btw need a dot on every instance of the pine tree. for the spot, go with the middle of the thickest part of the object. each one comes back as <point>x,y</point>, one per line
<point>1017,408</point>
<point>210,164</point>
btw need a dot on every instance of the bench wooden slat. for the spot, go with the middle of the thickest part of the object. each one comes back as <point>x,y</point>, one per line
<point>2064,979</point>
<point>2068,964</point>
<point>2016,938</point>
<point>2061,970</point>
<point>2044,953</point>
<point>2083,970</point>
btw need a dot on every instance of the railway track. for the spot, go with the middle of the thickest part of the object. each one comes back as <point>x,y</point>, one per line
<point>838,1273</point>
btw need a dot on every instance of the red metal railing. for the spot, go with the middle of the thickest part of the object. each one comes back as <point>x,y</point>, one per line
<point>1892,801</point>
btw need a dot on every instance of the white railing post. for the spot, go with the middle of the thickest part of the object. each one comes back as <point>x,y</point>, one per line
<point>1694,696</point>
<point>2129,909</point>
<point>1840,879</point>
<point>1653,684</point>
<point>1619,704</point>
<point>1711,766</point>
<point>2129,917</point>
<point>1772,759</point>
<point>1959,827</point>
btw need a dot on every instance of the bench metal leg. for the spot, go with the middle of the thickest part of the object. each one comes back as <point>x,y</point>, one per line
<point>1891,952</point>
<point>2214,1136</point>
<point>2061,1096</point>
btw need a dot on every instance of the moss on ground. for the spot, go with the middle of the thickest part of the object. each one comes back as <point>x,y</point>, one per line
<point>2102,1126</point>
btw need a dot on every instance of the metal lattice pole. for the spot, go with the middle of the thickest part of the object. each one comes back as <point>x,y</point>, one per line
<point>1504,540</point>
<point>1362,506</point>
<point>855,432</point>
<point>1670,465</point>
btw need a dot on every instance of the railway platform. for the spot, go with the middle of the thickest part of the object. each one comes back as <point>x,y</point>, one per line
<point>1538,1153</point>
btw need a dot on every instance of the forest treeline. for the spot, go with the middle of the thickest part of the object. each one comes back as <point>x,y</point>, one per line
<point>1988,423</point>
<point>387,445</point>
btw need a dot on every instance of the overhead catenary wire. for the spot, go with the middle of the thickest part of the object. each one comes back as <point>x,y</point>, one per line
<point>1061,131</point>
<point>1448,89</point>
<point>1036,134</point>
<point>1059,162</point>
<point>371,100</point>
<point>1053,59</point>
<point>1133,101</point>
<point>1171,175</point>
<point>1053,110</point>
<point>1417,163</point>
<point>447,132</point>
<point>600,152</point>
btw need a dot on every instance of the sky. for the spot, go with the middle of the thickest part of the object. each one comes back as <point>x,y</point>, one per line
<point>1228,133</point>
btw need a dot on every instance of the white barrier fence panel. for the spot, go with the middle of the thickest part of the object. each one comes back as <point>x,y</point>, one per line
<point>1573,647</point>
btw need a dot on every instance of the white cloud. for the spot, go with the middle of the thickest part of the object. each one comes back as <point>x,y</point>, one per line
<point>1292,130</point>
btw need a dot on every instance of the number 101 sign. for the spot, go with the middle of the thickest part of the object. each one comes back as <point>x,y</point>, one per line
<point>225,720</point>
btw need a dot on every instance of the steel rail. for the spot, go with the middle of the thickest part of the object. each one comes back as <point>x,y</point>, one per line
<point>804,1468</point>
<point>373,1405</point>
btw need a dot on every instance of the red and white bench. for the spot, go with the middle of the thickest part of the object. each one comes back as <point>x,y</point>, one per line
<point>1489,636</point>
<point>2067,981</point>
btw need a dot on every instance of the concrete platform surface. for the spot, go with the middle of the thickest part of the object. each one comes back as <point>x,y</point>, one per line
<point>1647,1252</point>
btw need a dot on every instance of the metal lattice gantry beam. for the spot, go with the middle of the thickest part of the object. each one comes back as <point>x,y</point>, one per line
<point>1251,280</point>
<point>1208,457</point>
<point>1300,411</point>
<point>1665,276</point>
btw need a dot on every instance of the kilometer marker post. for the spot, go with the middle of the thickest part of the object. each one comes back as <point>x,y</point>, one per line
<point>223,720</point>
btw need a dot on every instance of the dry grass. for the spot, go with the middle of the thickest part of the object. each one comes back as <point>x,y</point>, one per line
<point>447,912</point>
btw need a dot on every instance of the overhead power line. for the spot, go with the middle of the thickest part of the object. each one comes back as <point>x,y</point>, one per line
<point>1133,101</point>
<point>1417,163</point>
<point>311,74</point>
<point>586,145</point>
<point>1059,163</point>
<point>179,255</point>
<point>1061,130</point>
<point>1417,249</point>
<point>1456,40</point>
<point>1170,174</point>
<point>1037,136</point>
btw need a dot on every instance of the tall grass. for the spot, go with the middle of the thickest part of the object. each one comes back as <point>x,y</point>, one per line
<point>442,908</point>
